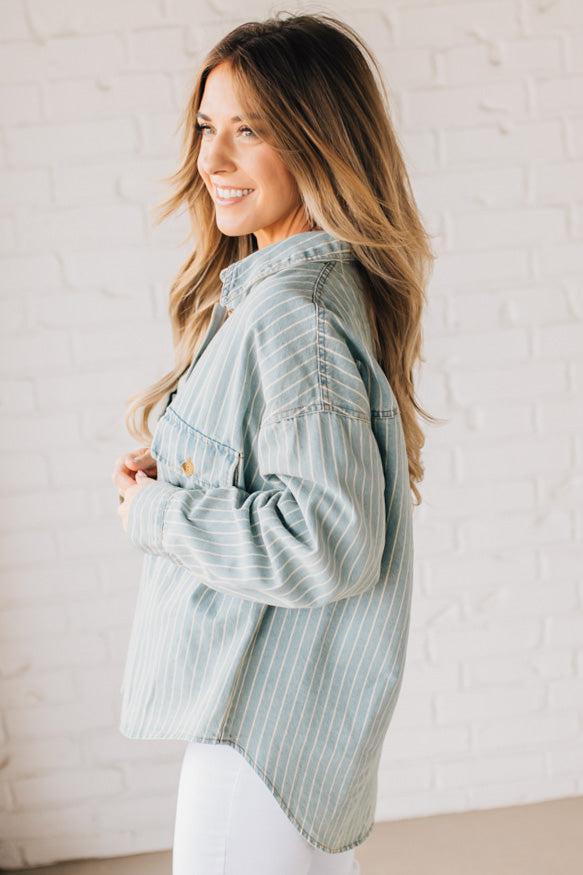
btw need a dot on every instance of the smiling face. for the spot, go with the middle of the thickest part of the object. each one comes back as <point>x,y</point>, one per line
<point>233,156</point>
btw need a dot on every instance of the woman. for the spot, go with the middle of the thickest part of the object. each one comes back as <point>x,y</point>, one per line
<point>273,505</point>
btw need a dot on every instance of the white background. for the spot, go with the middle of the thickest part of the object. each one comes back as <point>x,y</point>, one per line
<point>488,102</point>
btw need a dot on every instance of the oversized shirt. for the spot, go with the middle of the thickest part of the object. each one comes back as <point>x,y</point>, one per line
<point>274,600</point>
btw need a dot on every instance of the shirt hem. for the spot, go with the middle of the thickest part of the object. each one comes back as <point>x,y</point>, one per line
<point>213,739</point>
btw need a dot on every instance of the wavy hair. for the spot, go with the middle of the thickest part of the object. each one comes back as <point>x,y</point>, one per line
<point>326,109</point>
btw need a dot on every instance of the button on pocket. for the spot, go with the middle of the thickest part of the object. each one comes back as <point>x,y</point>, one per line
<point>187,456</point>
<point>188,467</point>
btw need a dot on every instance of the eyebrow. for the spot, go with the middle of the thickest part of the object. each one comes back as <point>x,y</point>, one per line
<point>235,118</point>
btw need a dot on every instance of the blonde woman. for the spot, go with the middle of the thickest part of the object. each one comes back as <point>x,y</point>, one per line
<point>273,501</point>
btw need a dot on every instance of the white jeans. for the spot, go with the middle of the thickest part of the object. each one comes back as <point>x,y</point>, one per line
<point>229,823</point>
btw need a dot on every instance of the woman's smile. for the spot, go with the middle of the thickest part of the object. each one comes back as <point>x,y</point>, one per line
<point>223,199</point>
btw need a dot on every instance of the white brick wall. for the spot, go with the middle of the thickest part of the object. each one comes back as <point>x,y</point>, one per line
<point>488,100</point>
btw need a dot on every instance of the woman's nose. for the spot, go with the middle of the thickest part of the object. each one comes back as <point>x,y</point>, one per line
<point>215,158</point>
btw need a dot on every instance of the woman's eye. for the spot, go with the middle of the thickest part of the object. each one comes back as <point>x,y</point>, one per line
<point>200,127</point>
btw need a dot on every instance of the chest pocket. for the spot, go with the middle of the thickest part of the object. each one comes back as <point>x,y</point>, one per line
<point>187,457</point>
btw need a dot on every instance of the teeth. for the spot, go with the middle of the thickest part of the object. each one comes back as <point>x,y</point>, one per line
<point>232,192</point>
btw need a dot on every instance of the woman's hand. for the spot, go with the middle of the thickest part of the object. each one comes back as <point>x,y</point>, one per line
<point>132,472</point>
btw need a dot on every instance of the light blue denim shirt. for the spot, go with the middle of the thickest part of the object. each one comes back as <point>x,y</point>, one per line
<point>274,602</point>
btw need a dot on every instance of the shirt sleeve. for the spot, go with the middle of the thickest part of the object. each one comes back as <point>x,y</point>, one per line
<point>316,536</point>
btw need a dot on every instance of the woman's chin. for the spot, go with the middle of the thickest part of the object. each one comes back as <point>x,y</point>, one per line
<point>233,227</point>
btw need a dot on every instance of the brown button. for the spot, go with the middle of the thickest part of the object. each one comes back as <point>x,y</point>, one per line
<point>187,466</point>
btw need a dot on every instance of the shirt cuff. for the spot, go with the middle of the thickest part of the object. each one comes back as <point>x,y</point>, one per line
<point>146,514</point>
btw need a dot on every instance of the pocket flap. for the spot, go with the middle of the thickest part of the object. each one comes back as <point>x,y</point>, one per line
<point>191,456</point>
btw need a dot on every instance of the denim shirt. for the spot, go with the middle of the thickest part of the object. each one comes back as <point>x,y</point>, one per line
<point>274,600</point>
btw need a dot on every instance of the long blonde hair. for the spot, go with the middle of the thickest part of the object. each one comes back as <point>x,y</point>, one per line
<point>329,119</point>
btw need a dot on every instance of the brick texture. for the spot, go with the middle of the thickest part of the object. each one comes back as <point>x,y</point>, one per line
<point>487,98</point>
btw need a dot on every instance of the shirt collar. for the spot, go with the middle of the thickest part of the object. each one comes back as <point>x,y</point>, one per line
<point>240,276</point>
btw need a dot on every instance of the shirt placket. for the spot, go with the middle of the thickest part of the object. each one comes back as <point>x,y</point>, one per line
<point>217,315</point>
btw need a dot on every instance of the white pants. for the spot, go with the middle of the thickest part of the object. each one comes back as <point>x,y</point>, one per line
<point>229,823</point>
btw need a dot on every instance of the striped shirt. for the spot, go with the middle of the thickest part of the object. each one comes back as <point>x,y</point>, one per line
<point>274,601</point>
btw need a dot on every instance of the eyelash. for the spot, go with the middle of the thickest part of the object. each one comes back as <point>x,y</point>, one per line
<point>200,127</point>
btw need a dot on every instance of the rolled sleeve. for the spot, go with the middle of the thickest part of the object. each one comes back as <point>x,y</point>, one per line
<point>315,537</point>
<point>147,514</point>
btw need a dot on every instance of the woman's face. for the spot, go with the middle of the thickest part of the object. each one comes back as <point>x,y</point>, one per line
<point>232,156</point>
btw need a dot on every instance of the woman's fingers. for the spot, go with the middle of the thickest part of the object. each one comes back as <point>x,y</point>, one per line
<point>122,475</point>
<point>124,472</point>
<point>140,462</point>
<point>138,455</point>
<point>122,481</point>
